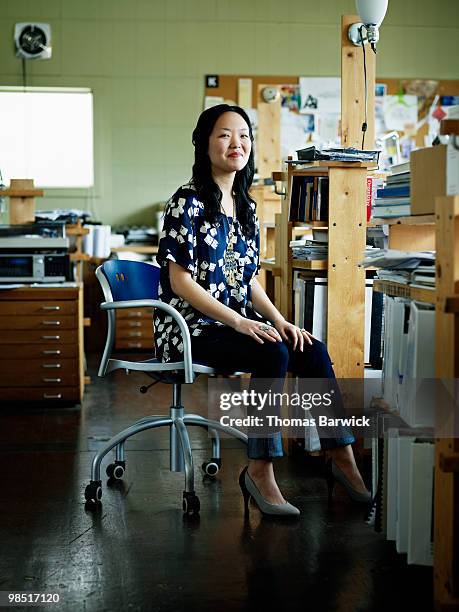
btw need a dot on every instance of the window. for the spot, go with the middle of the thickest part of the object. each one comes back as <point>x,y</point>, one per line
<point>46,134</point>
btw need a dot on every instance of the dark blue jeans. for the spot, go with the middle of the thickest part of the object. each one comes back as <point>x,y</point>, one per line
<point>227,350</point>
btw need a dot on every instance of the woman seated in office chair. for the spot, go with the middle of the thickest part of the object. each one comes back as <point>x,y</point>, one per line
<point>209,257</point>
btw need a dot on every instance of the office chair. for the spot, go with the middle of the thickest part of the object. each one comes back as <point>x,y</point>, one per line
<point>130,284</point>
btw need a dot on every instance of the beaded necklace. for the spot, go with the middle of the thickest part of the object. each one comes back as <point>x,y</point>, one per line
<point>229,260</point>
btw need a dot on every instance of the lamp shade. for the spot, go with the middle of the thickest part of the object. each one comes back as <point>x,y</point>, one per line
<point>371,11</point>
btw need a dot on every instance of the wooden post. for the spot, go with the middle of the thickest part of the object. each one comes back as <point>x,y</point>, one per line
<point>353,90</point>
<point>283,236</point>
<point>269,151</point>
<point>346,277</point>
<point>446,519</point>
<point>22,201</point>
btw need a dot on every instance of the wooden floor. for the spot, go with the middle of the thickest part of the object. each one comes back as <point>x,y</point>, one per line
<point>138,553</point>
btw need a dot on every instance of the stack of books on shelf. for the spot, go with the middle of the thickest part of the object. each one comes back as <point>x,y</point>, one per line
<point>393,200</point>
<point>308,250</point>
<point>406,267</point>
<point>423,277</point>
<point>309,199</point>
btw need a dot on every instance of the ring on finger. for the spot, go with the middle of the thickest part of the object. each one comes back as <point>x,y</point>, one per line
<point>265,328</point>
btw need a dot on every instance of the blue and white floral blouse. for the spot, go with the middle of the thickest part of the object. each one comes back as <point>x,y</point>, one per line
<point>199,246</point>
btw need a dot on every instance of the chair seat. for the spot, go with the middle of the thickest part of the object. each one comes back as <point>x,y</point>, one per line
<point>172,376</point>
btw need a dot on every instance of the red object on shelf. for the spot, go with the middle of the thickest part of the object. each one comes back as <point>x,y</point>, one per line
<point>369,198</point>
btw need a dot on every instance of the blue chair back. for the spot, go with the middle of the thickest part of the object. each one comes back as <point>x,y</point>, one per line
<point>131,280</point>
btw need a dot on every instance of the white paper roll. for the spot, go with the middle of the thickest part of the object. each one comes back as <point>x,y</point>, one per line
<point>102,241</point>
<point>88,241</point>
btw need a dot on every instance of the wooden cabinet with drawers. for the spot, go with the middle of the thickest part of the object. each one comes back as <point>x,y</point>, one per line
<point>41,344</point>
<point>134,329</point>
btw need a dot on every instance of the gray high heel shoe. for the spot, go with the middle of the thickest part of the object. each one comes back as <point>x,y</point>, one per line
<point>335,474</point>
<point>249,489</point>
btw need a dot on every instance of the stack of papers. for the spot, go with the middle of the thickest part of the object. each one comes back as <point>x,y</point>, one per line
<point>398,260</point>
<point>133,234</point>
<point>424,277</point>
<point>67,215</point>
<point>309,250</point>
<point>394,276</point>
<point>348,154</point>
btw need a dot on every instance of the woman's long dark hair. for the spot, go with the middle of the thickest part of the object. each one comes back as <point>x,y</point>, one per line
<point>209,192</point>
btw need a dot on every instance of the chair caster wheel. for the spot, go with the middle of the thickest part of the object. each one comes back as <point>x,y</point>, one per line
<point>93,492</point>
<point>116,470</point>
<point>212,467</point>
<point>191,504</point>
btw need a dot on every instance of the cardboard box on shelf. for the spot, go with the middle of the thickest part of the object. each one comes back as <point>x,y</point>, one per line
<point>434,172</point>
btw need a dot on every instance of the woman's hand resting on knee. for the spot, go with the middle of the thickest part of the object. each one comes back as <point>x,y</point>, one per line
<point>258,331</point>
<point>293,334</point>
<point>280,330</point>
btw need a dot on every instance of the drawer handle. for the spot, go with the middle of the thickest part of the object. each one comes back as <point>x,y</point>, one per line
<point>52,396</point>
<point>51,322</point>
<point>135,334</point>
<point>52,380</point>
<point>51,366</point>
<point>134,314</point>
<point>134,345</point>
<point>51,351</point>
<point>50,337</point>
<point>50,308</point>
<point>135,324</point>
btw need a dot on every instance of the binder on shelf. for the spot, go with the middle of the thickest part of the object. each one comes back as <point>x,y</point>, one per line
<point>420,506</point>
<point>390,485</point>
<point>305,198</point>
<point>403,483</point>
<point>408,477</point>
<point>376,325</point>
<point>295,198</point>
<point>395,331</point>
<point>416,392</point>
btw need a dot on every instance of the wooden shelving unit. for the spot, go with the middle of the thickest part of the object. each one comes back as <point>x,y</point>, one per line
<point>442,235</point>
<point>346,279</point>
<point>346,243</point>
<point>446,508</point>
<point>268,204</point>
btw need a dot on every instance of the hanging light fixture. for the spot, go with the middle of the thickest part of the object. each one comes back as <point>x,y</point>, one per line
<point>372,13</point>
